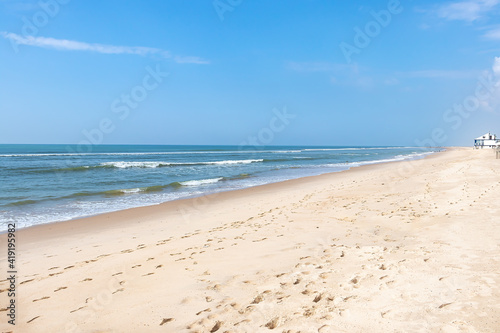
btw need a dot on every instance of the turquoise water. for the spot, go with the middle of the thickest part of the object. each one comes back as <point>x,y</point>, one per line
<point>47,183</point>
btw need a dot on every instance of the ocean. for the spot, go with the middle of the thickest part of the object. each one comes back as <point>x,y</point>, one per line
<point>48,183</point>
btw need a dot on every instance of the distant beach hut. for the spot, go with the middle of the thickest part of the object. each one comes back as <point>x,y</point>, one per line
<point>487,140</point>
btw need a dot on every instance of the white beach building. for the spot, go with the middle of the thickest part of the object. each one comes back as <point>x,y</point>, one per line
<point>487,140</point>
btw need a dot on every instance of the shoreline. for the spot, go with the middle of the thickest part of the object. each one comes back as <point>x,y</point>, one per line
<point>195,197</point>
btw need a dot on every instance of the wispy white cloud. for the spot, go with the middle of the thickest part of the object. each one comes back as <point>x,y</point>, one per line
<point>496,68</point>
<point>339,74</point>
<point>492,104</point>
<point>19,6</point>
<point>190,60</point>
<point>469,10</point>
<point>424,26</point>
<point>71,45</point>
<point>440,74</point>
<point>492,34</point>
<point>318,66</point>
<point>391,81</point>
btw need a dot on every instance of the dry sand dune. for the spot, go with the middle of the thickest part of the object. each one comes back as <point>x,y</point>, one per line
<point>398,247</point>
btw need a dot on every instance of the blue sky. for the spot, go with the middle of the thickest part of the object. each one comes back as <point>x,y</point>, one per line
<point>345,72</point>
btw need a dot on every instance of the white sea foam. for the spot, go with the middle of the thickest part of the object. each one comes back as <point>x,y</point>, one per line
<point>132,190</point>
<point>123,164</point>
<point>201,182</point>
<point>394,159</point>
<point>360,148</point>
<point>230,162</point>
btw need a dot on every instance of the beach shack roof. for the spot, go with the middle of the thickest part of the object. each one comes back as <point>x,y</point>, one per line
<point>487,136</point>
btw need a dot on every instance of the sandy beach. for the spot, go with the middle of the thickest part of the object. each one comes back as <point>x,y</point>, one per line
<point>395,247</point>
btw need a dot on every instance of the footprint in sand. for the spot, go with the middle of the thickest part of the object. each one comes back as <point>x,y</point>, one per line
<point>318,298</point>
<point>39,299</point>
<point>273,323</point>
<point>216,327</point>
<point>443,305</point>
<point>258,299</point>
<point>206,310</point>
<point>103,255</point>
<point>77,309</point>
<point>166,320</point>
